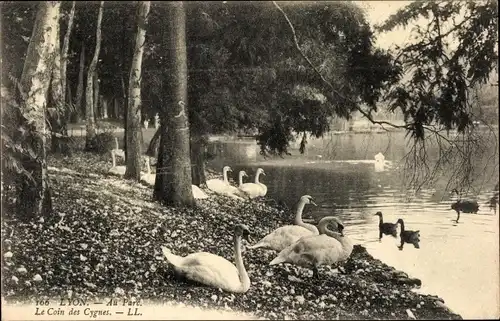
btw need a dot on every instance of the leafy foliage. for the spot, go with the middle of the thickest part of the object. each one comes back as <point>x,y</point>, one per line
<point>456,51</point>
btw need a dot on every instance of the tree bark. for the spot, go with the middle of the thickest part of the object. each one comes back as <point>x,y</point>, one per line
<point>173,175</point>
<point>89,92</point>
<point>198,145</point>
<point>64,52</point>
<point>134,131</point>
<point>97,111</point>
<point>116,108</point>
<point>34,196</point>
<point>79,89</point>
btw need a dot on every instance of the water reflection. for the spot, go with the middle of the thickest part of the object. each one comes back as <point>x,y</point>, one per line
<point>454,261</point>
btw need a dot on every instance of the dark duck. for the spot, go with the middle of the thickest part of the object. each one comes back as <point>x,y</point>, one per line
<point>464,206</point>
<point>408,236</point>
<point>386,228</point>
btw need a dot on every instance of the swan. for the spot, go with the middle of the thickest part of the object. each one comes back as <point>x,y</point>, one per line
<point>283,236</point>
<point>466,206</point>
<point>386,228</point>
<point>408,236</point>
<point>325,249</point>
<point>213,270</point>
<point>222,186</point>
<point>118,152</point>
<point>255,189</point>
<point>150,178</point>
<point>116,170</point>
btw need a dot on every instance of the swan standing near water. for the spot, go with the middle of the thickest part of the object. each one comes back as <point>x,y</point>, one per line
<point>283,236</point>
<point>116,170</point>
<point>386,228</point>
<point>255,189</point>
<point>408,236</point>
<point>325,249</point>
<point>213,270</point>
<point>222,186</point>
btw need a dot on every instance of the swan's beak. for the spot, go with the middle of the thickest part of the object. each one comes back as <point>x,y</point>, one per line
<point>263,173</point>
<point>312,202</point>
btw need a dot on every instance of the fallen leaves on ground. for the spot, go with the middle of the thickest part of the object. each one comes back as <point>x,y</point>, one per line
<point>104,237</point>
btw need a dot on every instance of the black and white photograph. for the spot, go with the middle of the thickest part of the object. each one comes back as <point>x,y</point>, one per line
<point>249,160</point>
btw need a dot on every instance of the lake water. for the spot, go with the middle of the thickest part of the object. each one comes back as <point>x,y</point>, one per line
<point>459,262</point>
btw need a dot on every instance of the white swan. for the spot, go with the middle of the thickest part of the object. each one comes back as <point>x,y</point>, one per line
<point>286,235</point>
<point>118,152</point>
<point>312,251</point>
<point>255,189</point>
<point>213,270</point>
<point>116,170</point>
<point>222,186</point>
<point>150,178</point>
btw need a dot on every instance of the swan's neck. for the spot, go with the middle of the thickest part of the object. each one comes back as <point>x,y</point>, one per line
<point>257,178</point>
<point>244,279</point>
<point>402,225</point>
<point>116,143</point>
<point>298,214</point>
<point>339,237</point>
<point>240,179</point>
<point>380,219</point>
<point>224,174</point>
<point>113,158</point>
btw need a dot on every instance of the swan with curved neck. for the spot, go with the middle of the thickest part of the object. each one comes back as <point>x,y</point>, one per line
<point>255,189</point>
<point>330,247</point>
<point>118,152</point>
<point>385,228</point>
<point>408,236</point>
<point>283,236</point>
<point>213,270</point>
<point>223,187</point>
<point>116,170</point>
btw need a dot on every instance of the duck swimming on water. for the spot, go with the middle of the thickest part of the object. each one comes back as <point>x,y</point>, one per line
<point>408,236</point>
<point>386,228</point>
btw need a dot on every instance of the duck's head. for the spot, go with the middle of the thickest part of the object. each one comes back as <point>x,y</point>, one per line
<point>227,169</point>
<point>379,214</point>
<point>308,199</point>
<point>242,231</point>
<point>260,171</point>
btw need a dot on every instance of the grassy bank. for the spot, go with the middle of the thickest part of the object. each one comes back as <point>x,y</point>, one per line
<point>104,241</point>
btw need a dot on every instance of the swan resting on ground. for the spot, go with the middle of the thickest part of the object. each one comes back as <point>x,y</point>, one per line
<point>283,236</point>
<point>222,186</point>
<point>213,270</point>
<point>116,170</point>
<point>255,189</point>
<point>325,249</point>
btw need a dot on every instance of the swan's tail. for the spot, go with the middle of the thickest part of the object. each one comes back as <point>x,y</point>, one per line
<point>171,258</point>
<point>279,259</point>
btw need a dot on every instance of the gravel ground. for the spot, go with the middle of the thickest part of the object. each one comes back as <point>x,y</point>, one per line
<point>103,240</point>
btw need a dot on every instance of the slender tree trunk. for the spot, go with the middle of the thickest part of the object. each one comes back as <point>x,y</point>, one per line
<point>104,104</point>
<point>34,196</point>
<point>79,90</point>
<point>64,52</point>
<point>97,112</point>
<point>134,131</point>
<point>116,108</point>
<point>173,176</point>
<point>88,93</point>
<point>198,146</point>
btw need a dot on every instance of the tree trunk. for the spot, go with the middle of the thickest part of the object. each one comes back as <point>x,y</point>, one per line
<point>104,104</point>
<point>198,160</point>
<point>79,90</point>
<point>88,93</point>
<point>134,131</point>
<point>34,196</point>
<point>116,108</point>
<point>154,144</point>
<point>173,175</point>
<point>64,52</point>
<point>97,111</point>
